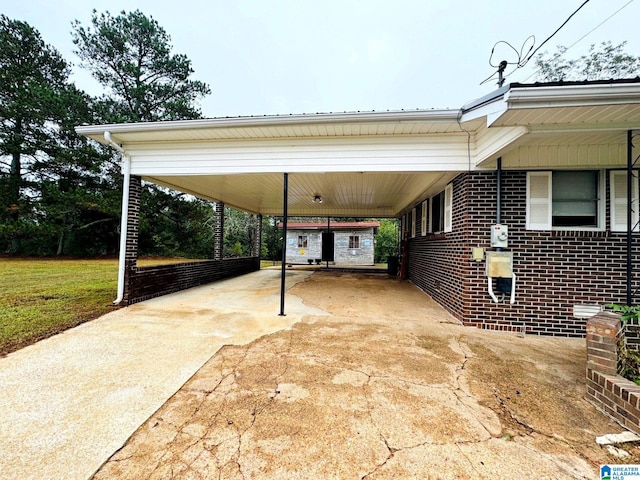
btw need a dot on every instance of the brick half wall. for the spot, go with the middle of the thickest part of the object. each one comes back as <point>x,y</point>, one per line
<point>614,395</point>
<point>154,281</point>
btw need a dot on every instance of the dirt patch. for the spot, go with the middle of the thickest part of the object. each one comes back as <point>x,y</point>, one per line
<point>386,386</point>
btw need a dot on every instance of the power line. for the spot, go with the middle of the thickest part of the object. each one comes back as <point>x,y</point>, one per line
<point>557,30</point>
<point>522,62</point>
<point>586,34</point>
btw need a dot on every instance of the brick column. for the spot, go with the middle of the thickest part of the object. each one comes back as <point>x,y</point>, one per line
<point>133,226</point>
<point>218,234</point>
<point>258,236</point>
<point>602,339</point>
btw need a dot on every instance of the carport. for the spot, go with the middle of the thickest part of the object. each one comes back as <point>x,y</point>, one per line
<point>440,171</point>
<point>362,164</point>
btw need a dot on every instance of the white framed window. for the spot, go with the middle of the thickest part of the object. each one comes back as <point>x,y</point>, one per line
<point>414,220</point>
<point>425,215</point>
<point>618,192</point>
<point>354,241</point>
<point>442,211</point>
<point>565,200</point>
<point>302,241</point>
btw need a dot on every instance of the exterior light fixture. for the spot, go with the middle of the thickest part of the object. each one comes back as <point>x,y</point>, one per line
<point>317,199</point>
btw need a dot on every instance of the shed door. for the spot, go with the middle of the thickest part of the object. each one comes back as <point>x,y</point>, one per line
<point>328,246</point>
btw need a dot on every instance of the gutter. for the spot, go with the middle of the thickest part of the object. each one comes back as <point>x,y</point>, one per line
<point>124,217</point>
<point>400,116</point>
<point>573,95</point>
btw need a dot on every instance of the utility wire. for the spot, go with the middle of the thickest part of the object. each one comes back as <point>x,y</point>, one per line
<point>522,62</point>
<point>585,35</point>
<point>554,33</point>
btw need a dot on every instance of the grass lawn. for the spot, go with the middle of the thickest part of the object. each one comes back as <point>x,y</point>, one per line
<point>39,298</point>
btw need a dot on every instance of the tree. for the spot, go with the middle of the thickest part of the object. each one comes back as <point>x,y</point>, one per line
<point>239,233</point>
<point>386,240</point>
<point>32,75</point>
<point>130,55</point>
<point>603,62</point>
<point>46,169</point>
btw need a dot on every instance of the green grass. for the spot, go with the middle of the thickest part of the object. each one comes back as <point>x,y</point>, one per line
<point>39,298</point>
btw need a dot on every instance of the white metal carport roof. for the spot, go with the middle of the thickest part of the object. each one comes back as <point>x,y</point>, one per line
<point>367,164</point>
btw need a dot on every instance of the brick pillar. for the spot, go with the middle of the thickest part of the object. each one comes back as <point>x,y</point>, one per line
<point>258,236</point>
<point>133,226</point>
<point>218,234</point>
<point>602,343</point>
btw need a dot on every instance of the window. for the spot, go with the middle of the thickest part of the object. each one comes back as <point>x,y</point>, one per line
<point>413,223</point>
<point>354,241</point>
<point>302,241</point>
<point>441,210</point>
<point>619,201</point>
<point>564,199</point>
<point>425,216</point>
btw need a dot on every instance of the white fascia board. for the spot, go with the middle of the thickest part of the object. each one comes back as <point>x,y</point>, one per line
<point>492,111</point>
<point>428,153</point>
<point>572,96</point>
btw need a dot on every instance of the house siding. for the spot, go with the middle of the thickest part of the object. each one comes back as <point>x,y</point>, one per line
<point>555,269</point>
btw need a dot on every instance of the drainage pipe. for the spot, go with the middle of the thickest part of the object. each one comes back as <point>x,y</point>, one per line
<point>124,218</point>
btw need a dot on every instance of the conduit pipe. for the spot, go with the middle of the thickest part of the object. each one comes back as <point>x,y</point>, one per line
<point>492,294</point>
<point>124,219</point>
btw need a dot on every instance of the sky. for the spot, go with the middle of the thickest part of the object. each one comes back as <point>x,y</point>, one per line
<point>263,57</point>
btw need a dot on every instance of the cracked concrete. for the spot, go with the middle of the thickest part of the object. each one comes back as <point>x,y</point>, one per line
<point>384,385</point>
<point>68,402</point>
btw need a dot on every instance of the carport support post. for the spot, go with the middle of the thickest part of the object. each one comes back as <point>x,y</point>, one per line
<point>630,225</point>
<point>285,207</point>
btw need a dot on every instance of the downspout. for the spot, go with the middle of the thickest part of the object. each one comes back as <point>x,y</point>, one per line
<point>124,220</point>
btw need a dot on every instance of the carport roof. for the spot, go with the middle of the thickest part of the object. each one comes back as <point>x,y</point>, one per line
<point>367,164</point>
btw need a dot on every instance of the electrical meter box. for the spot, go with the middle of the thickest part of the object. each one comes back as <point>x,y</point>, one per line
<point>499,236</point>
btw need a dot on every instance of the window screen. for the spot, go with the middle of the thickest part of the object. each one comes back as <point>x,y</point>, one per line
<point>574,199</point>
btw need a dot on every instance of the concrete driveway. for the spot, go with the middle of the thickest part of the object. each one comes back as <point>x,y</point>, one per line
<point>378,383</point>
<point>69,402</point>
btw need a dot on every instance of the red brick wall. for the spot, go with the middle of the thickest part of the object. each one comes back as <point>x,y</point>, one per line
<point>615,396</point>
<point>155,281</point>
<point>143,283</point>
<point>554,270</point>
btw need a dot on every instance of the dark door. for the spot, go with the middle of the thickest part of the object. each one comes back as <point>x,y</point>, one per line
<point>327,247</point>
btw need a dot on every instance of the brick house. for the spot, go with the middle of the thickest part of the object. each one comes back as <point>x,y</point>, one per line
<point>549,162</point>
<point>351,243</point>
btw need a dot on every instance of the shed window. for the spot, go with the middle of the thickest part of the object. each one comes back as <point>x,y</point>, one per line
<point>302,241</point>
<point>354,241</point>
